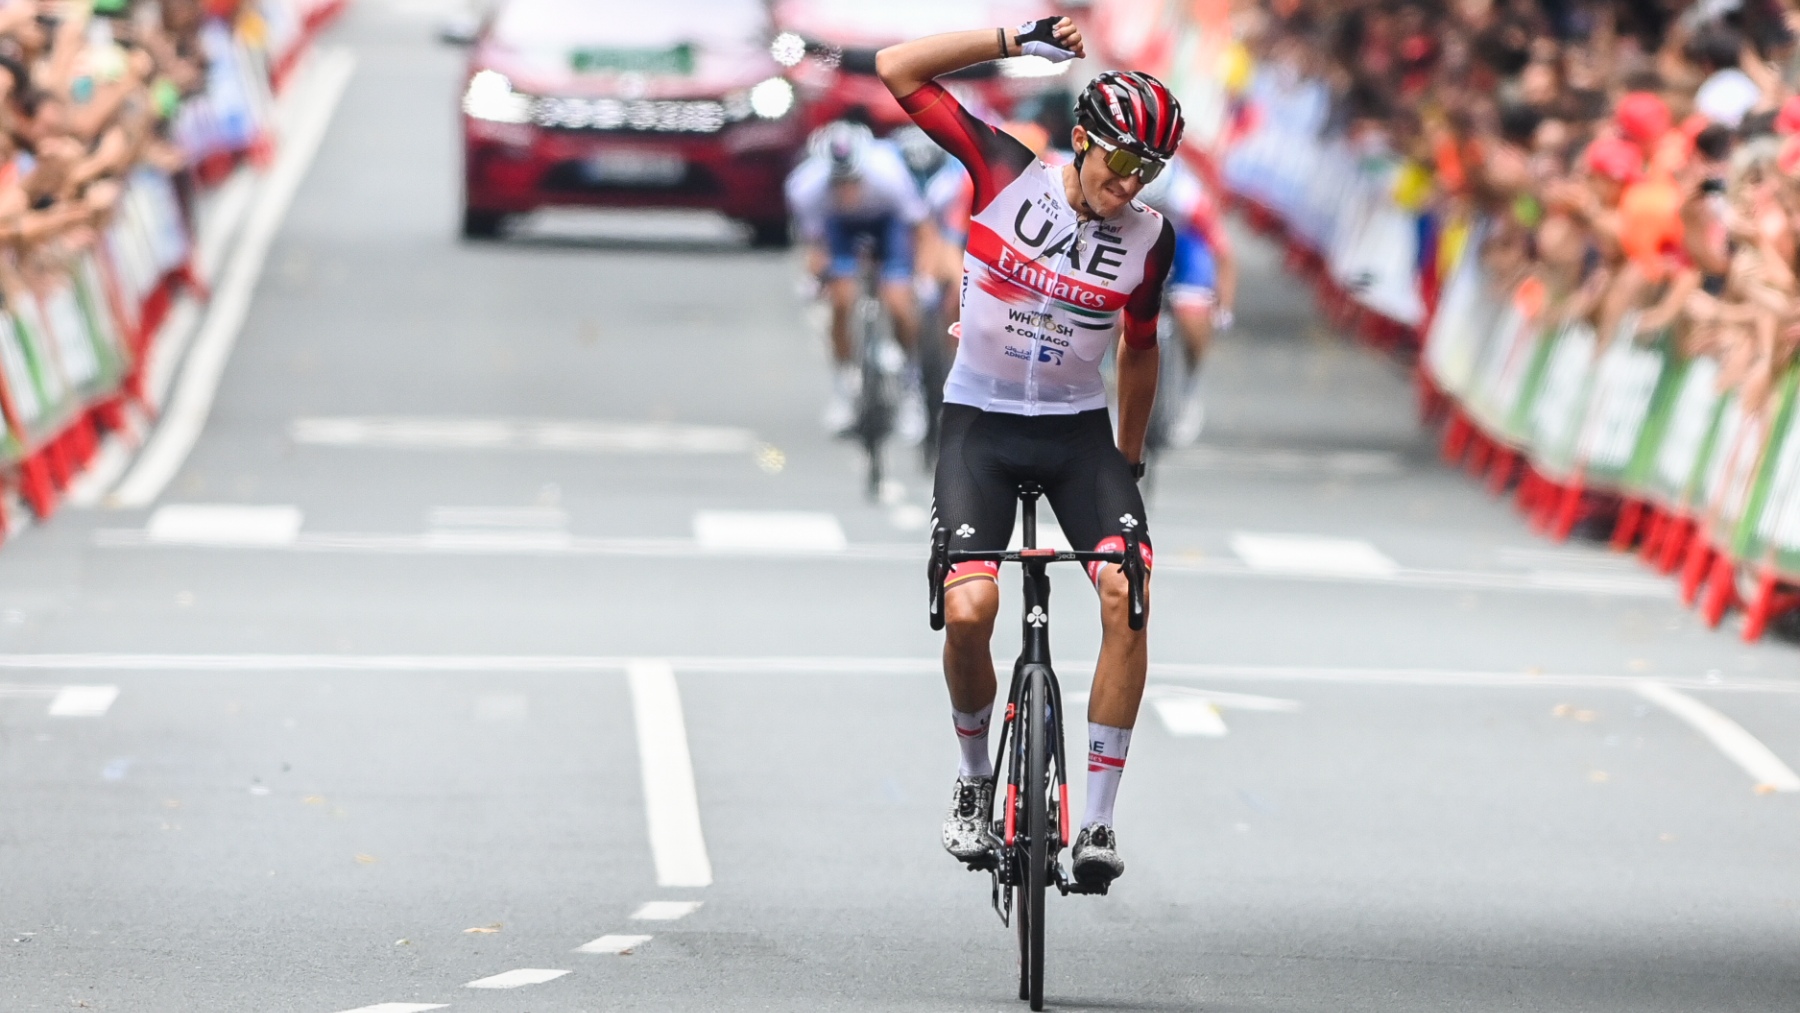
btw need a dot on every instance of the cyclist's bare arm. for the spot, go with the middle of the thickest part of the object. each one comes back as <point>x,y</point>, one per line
<point>909,66</point>
<point>1138,357</point>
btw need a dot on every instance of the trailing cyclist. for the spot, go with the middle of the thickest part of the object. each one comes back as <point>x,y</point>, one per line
<point>1202,282</point>
<point>1059,259</point>
<point>853,190</point>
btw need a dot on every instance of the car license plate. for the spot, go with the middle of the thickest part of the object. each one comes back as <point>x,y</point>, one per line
<point>636,167</point>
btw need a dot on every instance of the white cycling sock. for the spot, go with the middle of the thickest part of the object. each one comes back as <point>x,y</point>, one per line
<point>972,738</point>
<point>1106,763</point>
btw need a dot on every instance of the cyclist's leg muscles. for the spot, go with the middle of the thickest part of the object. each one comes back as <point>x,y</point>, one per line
<point>841,237</point>
<point>1096,499</point>
<point>897,256</point>
<point>973,500</point>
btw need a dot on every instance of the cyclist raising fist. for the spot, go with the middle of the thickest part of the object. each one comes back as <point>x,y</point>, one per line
<point>1059,260</point>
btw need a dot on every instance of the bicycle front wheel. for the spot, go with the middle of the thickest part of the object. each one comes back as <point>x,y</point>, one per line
<point>1036,824</point>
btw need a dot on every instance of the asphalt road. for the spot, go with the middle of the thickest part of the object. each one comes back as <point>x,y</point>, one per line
<point>434,735</point>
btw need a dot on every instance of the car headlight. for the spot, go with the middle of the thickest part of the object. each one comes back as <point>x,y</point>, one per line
<point>772,99</point>
<point>491,97</point>
<point>788,49</point>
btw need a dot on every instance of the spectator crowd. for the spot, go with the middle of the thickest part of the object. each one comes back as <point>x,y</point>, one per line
<point>88,92</point>
<point>1634,164</point>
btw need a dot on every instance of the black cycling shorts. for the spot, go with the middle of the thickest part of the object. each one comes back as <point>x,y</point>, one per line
<point>982,458</point>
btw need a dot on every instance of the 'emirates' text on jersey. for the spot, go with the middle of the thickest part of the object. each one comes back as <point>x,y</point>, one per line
<point>1043,291</point>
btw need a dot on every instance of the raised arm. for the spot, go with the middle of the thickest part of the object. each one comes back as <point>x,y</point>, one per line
<point>909,66</point>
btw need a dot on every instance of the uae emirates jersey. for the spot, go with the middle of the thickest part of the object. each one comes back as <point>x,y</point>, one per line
<point>1044,293</point>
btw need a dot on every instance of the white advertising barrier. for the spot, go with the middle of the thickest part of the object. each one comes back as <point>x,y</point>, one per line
<point>1692,418</point>
<point>1625,381</point>
<point>1455,343</point>
<point>1374,253</point>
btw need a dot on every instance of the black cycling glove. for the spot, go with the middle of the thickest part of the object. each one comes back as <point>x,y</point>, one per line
<point>1038,38</point>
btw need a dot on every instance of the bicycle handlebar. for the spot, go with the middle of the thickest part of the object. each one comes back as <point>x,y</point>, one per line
<point>1131,560</point>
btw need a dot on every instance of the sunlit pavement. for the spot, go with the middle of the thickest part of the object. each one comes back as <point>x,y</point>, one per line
<point>528,514</point>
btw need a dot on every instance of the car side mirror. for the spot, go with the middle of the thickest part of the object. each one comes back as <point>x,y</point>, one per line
<point>459,30</point>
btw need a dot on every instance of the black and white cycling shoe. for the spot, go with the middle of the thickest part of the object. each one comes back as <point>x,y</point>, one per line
<point>966,833</point>
<point>1096,856</point>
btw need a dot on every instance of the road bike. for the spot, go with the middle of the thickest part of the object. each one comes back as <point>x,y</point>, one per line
<point>1034,825</point>
<point>879,361</point>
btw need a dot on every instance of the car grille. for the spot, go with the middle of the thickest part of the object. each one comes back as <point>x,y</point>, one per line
<point>647,116</point>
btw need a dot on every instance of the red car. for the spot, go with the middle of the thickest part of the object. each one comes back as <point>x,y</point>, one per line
<point>830,46</point>
<point>601,103</point>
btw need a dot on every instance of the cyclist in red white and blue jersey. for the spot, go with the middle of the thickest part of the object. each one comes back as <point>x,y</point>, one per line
<point>1061,262</point>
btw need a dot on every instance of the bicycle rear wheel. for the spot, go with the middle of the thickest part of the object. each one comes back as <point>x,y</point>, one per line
<point>1035,855</point>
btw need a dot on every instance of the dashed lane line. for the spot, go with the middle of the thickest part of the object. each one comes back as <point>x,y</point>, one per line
<point>398,1007</point>
<point>665,910</point>
<point>66,701</point>
<point>841,665</point>
<point>1766,770</point>
<point>613,945</point>
<point>1171,563</point>
<point>671,805</point>
<point>517,978</point>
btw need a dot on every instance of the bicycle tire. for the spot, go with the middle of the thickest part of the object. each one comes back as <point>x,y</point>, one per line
<point>1037,824</point>
<point>875,411</point>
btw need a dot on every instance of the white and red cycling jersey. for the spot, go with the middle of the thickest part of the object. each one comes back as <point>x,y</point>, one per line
<point>1044,292</point>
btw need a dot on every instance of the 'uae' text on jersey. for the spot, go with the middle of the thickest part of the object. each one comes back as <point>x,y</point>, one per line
<point>1043,291</point>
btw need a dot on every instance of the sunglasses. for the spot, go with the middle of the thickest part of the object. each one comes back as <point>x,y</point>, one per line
<point>1125,162</point>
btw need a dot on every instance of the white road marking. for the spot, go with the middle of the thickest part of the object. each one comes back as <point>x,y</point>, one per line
<point>1188,711</point>
<point>224,524</point>
<point>1189,715</point>
<point>83,701</point>
<point>612,945</point>
<point>910,554</point>
<point>398,1007</point>
<point>671,806</point>
<point>185,415</point>
<point>840,665</point>
<point>517,978</point>
<point>1738,745</point>
<point>564,435</point>
<point>1283,462</point>
<point>1312,554</point>
<point>768,531</point>
<point>665,910</point>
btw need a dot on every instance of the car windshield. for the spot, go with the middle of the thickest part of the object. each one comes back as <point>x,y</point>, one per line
<point>665,37</point>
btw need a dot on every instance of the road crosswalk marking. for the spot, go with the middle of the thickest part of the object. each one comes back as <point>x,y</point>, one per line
<point>517,978</point>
